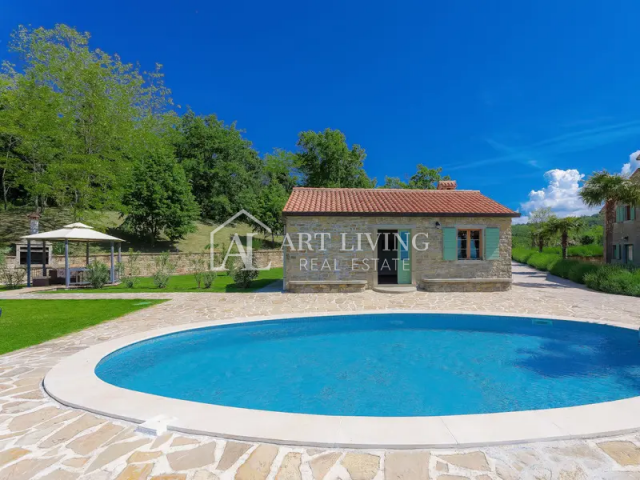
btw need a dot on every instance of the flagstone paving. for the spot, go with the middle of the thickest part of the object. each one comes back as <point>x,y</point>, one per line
<point>40,439</point>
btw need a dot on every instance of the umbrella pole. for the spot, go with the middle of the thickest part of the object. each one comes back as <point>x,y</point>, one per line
<point>67,276</point>
<point>112,271</point>
<point>28,263</point>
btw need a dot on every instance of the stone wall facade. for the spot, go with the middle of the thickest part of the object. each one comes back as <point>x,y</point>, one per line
<point>146,261</point>
<point>628,233</point>
<point>306,268</point>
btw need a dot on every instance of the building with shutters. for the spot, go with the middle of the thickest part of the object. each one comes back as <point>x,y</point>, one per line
<point>626,232</point>
<point>339,239</point>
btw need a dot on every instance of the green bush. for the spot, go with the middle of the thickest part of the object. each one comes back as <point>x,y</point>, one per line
<point>592,250</point>
<point>606,278</point>
<point>98,274</point>
<point>164,269</point>
<point>561,268</point>
<point>543,261</point>
<point>577,250</point>
<point>614,279</point>
<point>521,254</point>
<point>243,277</point>
<point>130,278</point>
<point>208,277</point>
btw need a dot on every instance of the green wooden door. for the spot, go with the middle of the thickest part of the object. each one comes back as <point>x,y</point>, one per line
<point>404,257</point>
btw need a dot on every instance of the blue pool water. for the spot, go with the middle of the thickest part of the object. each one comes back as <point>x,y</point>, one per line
<point>386,365</point>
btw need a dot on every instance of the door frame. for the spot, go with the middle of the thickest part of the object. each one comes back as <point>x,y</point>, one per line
<point>392,226</point>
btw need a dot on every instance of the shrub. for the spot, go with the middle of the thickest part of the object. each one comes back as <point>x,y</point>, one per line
<point>130,270</point>
<point>208,277</point>
<point>592,250</point>
<point>578,271</point>
<point>242,276</point>
<point>197,265</point>
<point>543,261</point>
<point>12,277</point>
<point>577,250</point>
<point>614,279</point>
<point>522,254</point>
<point>98,274</point>
<point>164,269</point>
<point>561,268</point>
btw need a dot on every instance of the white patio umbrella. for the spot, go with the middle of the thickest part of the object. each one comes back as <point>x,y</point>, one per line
<point>75,232</point>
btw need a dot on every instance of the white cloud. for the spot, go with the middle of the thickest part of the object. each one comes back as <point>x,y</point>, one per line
<point>634,162</point>
<point>520,220</point>
<point>561,195</point>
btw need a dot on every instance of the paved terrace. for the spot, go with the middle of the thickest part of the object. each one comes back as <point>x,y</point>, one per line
<point>41,439</point>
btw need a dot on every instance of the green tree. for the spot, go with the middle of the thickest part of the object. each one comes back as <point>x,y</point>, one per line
<point>78,115</point>
<point>610,189</point>
<point>271,203</point>
<point>393,182</point>
<point>564,226</point>
<point>224,170</point>
<point>158,199</point>
<point>538,223</point>
<point>425,178</point>
<point>280,167</point>
<point>325,160</point>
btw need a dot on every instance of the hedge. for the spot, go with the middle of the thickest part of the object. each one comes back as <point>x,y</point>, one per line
<point>577,250</point>
<point>606,278</point>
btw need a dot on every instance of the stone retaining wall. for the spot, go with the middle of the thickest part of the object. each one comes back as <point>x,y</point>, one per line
<point>146,261</point>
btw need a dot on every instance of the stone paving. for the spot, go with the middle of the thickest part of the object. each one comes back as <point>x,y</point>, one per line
<point>41,439</point>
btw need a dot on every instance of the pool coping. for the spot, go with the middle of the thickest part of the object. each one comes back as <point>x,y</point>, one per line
<point>73,383</point>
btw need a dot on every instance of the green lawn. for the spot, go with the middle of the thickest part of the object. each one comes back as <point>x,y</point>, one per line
<point>187,283</point>
<point>28,322</point>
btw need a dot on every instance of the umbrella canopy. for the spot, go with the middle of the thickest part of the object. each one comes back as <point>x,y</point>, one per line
<point>77,232</point>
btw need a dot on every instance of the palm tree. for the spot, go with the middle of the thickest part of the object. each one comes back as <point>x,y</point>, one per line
<point>610,189</point>
<point>564,226</point>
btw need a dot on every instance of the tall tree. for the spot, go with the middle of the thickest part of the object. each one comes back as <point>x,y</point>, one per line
<point>425,178</point>
<point>224,170</point>
<point>538,222</point>
<point>280,167</point>
<point>158,199</point>
<point>564,226</point>
<point>610,189</point>
<point>79,115</point>
<point>325,160</point>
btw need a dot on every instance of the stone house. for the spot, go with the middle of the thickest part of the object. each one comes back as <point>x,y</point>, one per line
<point>626,232</point>
<point>339,239</point>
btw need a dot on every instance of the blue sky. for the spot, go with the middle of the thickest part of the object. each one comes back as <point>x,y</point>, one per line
<point>497,93</point>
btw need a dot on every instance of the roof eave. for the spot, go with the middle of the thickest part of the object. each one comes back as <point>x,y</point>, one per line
<point>403,214</point>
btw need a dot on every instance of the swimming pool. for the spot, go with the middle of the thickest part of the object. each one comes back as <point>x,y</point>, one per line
<point>386,365</point>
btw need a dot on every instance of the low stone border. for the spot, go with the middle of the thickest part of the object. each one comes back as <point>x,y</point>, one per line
<point>73,382</point>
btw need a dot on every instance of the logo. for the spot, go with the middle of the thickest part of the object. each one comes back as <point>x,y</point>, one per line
<point>245,253</point>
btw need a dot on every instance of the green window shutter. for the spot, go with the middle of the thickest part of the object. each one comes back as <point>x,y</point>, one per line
<point>618,214</point>
<point>633,212</point>
<point>492,244</point>
<point>615,252</point>
<point>449,244</point>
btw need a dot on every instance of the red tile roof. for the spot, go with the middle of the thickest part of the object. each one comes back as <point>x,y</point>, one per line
<point>375,201</point>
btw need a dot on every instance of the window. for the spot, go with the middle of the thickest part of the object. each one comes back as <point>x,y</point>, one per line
<point>469,244</point>
<point>628,254</point>
<point>625,213</point>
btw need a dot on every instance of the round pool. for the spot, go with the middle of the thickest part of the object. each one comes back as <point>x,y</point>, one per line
<point>386,365</point>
